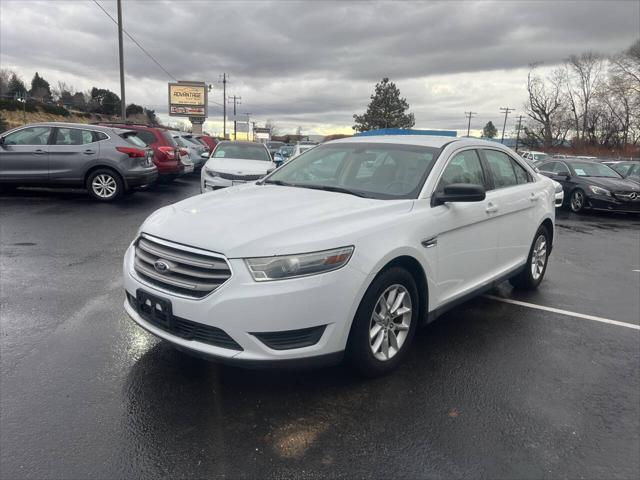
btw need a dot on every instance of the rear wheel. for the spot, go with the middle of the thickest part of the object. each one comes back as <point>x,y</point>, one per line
<point>536,265</point>
<point>577,200</point>
<point>385,323</point>
<point>105,185</point>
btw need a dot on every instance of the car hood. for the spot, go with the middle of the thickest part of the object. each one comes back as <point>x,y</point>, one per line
<point>239,166</point>
<point>612,184</point>
<point>263,220</point>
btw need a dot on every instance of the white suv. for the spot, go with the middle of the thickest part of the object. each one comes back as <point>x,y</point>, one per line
<point>344,250</point>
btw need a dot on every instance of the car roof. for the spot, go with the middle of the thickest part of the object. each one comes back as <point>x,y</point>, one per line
<point>89,126</point>
<point>238,142</point>
<point>433,141</point>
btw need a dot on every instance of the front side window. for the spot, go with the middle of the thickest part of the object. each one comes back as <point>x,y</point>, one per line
<point>464,167</point>
<point>521,174</point>
<point>29,136</point>
<point>242,151</point>
<point>501,169</point>
<point>382,171</point>
<point>73,136</point>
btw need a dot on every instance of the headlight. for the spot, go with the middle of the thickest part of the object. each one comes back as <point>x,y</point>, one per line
<point>599,190</point>
<point>558,187</point>
<point>211,173</point>
<point>290,266</point>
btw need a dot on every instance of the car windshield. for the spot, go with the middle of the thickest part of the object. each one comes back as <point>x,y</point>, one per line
<point>540,157</point>
<point>273,144</point>
<point>622,168</point>
<point>593,169</point>
<point>374,170</point>
<point>286,150</point>
<point>244,151</point>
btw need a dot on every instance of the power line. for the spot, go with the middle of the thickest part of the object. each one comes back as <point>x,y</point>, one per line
<point>469,115</point>
<point>506,111</point>
<point>135,41</point>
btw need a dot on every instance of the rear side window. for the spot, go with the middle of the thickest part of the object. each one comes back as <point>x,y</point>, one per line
<point>147,137</point>
<point>501,168</point>
<point>98,136</point>
<point>464,167</point>
<point>73,136</point>
<point>134,139</point>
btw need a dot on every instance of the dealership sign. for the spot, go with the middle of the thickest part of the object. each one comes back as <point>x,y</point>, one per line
<point>188,99</point>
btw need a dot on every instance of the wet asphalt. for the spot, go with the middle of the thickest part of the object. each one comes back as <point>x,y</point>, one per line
<point>490,390</point>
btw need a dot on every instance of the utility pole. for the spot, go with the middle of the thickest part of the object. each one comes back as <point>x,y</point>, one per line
<point>248,114</point>
<point>469,115</point>
<point>123,105</point>
<point>518,134</point>
<point>224,106</point>
<point>506,111</point>
<point>253,130</point>
<point>235,99</point>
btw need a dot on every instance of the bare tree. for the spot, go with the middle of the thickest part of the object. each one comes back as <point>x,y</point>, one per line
<point>5,75</point>
<point>583,75</point>
<point>546,105</point>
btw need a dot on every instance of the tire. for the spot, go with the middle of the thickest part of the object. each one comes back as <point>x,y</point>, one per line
<point>360,347</point>
<point>105,185</point>
<point>532,275</point>
<point>577,200</point>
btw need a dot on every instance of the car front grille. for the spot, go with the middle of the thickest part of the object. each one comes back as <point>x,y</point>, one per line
<point>189,330</point>
<point>627,196</point>
<point>178,269</point>
<point>247,178</point>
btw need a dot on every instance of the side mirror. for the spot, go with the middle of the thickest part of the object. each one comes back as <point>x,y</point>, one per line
<point>204,155</point>
<point>460,192</point>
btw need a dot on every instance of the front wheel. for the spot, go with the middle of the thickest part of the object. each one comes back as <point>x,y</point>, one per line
<point>577,200</point>
<point>385,323</point>
<point>536,265</point>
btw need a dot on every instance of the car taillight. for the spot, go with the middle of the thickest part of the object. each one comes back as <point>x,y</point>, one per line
<point>169,152</point>
<point>184,151</point>
<point>132,152</point>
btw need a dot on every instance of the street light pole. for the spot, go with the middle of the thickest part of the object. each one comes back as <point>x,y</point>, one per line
<point>123,105</point>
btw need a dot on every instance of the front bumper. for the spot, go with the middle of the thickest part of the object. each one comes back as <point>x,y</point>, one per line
<point>242,306</point>
<point>604,202</point>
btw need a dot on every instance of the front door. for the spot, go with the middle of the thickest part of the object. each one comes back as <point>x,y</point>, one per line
<point>466,232</point>
<point>24,155</point>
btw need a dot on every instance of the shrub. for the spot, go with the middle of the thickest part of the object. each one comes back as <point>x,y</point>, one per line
<point>54,110</point>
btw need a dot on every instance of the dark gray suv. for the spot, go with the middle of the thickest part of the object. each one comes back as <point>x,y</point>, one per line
<point>106,161</point>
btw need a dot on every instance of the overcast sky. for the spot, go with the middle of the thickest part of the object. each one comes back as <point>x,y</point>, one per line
<point>315,63</point>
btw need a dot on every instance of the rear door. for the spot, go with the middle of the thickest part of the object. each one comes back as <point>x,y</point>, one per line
<point>516,196</point>
<point>71,149</point>
<point>24,155</point>
<point>467,235</point>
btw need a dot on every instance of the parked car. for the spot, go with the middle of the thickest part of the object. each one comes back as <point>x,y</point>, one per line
<point>106,161</point>
<point>628,170</point>
<point>273,147</point>
<point>283,154</point>
<point>559,196</point>
<point>536,157</point>
<point>207,140</point>
<point>593,185</point>
<point>342,251</point>
<point>166,152</point>
<point>301,148</point>
<point>194,148</point>
<point>235,162</point>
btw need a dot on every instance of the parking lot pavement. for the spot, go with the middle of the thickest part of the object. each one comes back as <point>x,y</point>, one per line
<point>491,389</point>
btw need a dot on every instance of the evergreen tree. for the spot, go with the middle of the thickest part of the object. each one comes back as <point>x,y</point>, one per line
<point>386,110</point>
<point>104,101</point>
<point>40,88</point>
<point>133,109</point>
<point>16,87</point>
<point>489,130</point>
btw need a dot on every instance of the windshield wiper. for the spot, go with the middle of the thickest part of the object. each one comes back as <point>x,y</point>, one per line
<point>331,188</point>
<point>276,182</point>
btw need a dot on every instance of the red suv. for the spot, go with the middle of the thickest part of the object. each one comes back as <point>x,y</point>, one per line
<point>206,140</point>
<point>171,161</point>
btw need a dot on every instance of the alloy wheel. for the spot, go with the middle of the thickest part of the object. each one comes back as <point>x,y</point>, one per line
<point>539,257</point>
<point>577,201</point>
<point>104,186</point>
<point>390,322</point>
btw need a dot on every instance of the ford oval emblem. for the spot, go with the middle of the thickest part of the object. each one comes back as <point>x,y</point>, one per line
<point>161,266</point>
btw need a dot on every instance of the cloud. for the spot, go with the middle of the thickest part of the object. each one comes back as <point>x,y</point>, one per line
<point>315,62</point>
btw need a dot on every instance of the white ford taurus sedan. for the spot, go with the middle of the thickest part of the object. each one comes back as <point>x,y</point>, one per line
<point>342,252</point>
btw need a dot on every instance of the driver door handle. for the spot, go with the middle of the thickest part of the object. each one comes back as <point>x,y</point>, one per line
<point>39,151</point>
<point>89,151</point>
<point>534,197</point>
<point>491,208</point>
